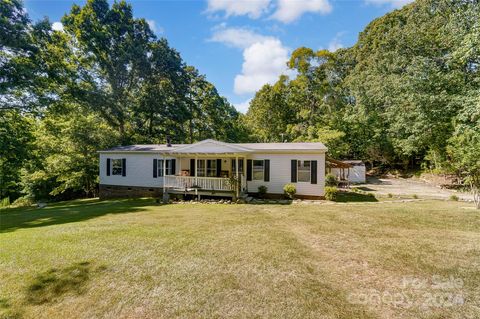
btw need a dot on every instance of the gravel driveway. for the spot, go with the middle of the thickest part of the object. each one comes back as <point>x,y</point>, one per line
<point>409,187</point>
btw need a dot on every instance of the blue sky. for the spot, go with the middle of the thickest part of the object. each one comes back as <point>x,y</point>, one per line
<point>241,45</point>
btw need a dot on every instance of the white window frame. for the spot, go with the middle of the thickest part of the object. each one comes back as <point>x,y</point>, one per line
<point>212,171</point>
<point>117,160</point>
<point>262,172</point>
<point>160,172</point>
<point>301,167</point>
<point>203,170</point>
<point>168,167</point>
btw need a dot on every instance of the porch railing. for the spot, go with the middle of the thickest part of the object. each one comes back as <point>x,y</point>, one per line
<point>206,183</point>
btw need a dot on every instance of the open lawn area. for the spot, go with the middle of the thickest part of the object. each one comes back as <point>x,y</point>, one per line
<point>138,259</point>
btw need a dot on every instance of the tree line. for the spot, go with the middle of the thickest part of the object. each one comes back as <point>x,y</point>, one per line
<point>104,80</point>
<point>407,94</point>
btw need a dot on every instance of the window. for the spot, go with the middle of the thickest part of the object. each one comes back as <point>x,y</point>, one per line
<point>169,167</point>
<point>240,166</point>
<point>116,167</point>
<point>160,168</point>
<point>303,171</point>
<point>207,168</point>
<point>257,171</point>
<point>211,168</point>
<point>201,170</point>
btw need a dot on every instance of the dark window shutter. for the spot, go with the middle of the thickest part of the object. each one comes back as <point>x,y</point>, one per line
<point>124,167</point>
<point>249,170</point>
<point>219,167</point>
<point>266,171</point>
<point>108,167</point>
<point>155,168</point>
<point>313,172</point>
<point>192,167</point>
<point>233,166</point>
<point>294,171</point>
<point>172,167</point>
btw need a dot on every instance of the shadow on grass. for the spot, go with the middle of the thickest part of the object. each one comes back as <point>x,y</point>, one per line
<point>365,188</point>
<point>346,197</point>
<point>67,212</point>
<point>49,286</point>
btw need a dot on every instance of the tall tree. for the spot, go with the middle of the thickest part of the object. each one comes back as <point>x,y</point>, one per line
<point>112,59</point>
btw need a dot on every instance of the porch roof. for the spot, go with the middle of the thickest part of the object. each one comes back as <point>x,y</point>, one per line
<point>210,146</point>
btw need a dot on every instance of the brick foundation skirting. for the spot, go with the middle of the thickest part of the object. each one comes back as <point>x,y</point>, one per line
<point>116,191</point>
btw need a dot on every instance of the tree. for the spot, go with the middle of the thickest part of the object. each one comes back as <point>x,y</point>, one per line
<point>66,161</point>
<point>464,146</point>
<point>15,146</point>
<point>269,113</point>
<point>112,59</point>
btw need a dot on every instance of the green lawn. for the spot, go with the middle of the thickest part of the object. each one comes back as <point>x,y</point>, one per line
<point>136,259</point>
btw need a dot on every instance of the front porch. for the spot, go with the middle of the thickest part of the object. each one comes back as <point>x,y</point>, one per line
<point>211,186</point>
<point>208,168</point>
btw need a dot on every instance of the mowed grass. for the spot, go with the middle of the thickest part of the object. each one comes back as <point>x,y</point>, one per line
<point>137,259</point>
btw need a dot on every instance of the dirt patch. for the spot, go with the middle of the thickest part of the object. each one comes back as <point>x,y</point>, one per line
<point>409,187</point>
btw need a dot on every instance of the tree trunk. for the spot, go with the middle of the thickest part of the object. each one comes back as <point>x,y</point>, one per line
<point>476,197</point>
<point>476,194</point>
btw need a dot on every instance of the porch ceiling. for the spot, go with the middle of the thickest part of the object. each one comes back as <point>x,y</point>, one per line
<point>228,155</point>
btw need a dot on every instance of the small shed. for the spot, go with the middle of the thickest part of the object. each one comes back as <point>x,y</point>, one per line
<point>352,171</point>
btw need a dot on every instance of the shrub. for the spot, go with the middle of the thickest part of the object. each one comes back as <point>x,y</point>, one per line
<point>415,196</point>
<point>290,190</point>
<point>454,198</point>
<point>5,202</point>
<point>331,193</point>
<point>331,180</point>
<point>262,190</point>
<point>390,195</point>
<point>23,201</point>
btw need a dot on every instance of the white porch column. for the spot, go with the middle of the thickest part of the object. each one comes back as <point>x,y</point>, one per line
<point>236,166</point>
<point>239,181</point>
<point>196,170</point>
<point>164,168</point>
<point>165,195</point>
<point>179,166</point>
<point>245,172</point>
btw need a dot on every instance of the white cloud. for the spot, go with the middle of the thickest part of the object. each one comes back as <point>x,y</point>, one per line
<point>153,26</point>
<point>290,10</point>
<point>253,8</point>
<point>243,106</point>
<point>264,58</point>
<point>336,43</point>
<point>263,63</point>
<point>393,3</point>
<point>57,26</point>
<point>236,37</point>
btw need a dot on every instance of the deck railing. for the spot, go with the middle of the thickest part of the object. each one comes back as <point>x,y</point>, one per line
<point>205,183</point>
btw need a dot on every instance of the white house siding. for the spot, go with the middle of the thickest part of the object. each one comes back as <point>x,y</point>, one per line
<point>280,174</point>
<point>139,170</point>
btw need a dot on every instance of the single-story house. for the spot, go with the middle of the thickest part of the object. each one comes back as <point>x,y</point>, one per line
<point>212,167</point>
